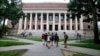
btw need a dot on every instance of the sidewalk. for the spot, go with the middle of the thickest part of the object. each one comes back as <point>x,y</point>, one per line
<point>37,49</point>
<point>87,51</point>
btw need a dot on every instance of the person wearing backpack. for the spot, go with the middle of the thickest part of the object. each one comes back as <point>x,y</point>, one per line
<point>65,39</point>
<point>56,39</point>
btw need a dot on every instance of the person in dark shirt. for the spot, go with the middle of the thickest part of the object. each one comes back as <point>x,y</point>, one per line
<point>65,39</point>
<point>56,39</point>
<point>52,38</point>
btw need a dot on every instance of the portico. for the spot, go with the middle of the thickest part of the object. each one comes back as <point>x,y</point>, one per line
<point>44,17</point>
<point>48,21</point>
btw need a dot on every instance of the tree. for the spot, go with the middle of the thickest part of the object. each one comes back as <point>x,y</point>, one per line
<point>89,9</point>
<point>15,12</point>
<point>10,9</point>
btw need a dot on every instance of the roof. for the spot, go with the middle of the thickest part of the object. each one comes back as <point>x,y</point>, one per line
<point>44,5</point>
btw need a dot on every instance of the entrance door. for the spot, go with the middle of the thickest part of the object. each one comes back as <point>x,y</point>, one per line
<point>56,27</point>
<point>50,27</point>
<point>44,27</point>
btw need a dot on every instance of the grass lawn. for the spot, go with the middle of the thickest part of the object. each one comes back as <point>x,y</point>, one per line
<point>79,54</point>
<point>11,43</point>
<point>4,38</point>
<point>13,53</point>
<point>70,53</point>
<point>87,44</point>
<point>87,41</point>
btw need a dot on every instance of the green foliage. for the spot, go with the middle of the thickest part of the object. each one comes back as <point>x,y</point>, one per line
<point>9,53</point>
<point>89,9</point>
<point>11,9</point>
<point>4,38</point>
<point>3,30</point>
<point>89,45</point>
<point>13,52</point>
<point>87,41</point>
<point>11,43</point>
<point>79,54</point>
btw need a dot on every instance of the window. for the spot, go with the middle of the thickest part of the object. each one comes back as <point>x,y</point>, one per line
<point>44,27</point>
<point>56,18</point>
<point>62,28</point>
<point>88,26</point>
<point>44,16</point>
<point>78,27</point>
<point>33,16</point>
<point>28,15</point>
<point>39,16</point>
<point>56,27</point>
<point>38,26</point>
<point>73,27</point>
<point>67,27</point>
<point>62,18</point>
<point>28,27</point>
<point>33,26</point>
<point>50,18</point>
<point>50,27</point>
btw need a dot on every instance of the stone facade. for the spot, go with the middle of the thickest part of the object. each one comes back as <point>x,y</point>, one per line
<point>49,17</point>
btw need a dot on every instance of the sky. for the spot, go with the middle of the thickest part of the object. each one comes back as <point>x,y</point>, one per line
<point>41,1</point>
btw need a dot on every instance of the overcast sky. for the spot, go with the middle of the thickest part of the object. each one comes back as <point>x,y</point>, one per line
<point>39,1</point>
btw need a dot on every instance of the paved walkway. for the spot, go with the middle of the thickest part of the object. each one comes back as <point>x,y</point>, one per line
<point>37,49</point>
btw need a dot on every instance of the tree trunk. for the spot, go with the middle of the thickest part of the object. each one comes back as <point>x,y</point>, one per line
<point>96,34</point>
<point>2,29</point>
<point>13,25</point>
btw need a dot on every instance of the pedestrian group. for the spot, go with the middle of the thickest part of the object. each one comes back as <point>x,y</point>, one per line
<point>49,39</point>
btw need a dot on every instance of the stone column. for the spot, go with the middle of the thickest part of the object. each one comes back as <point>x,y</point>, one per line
<point>47,21</point>
<point>20,23</point>
<point>35,21</point>
<point>59,21</point>
<point>65,20</point>
<point>53,21</point>
<point>76,23</point>
<point>81,22</point>
<point>41,21</point>
<point>25,23</point>
<point>70,24</point>
<point>30,21</point>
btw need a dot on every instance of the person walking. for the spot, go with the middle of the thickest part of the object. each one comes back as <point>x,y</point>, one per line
<point>52,38</point>
<point>48,44</point>
<point>48,41</point>
<point>43,38</point>
<point>65,39</point>
<point>56,39</point>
